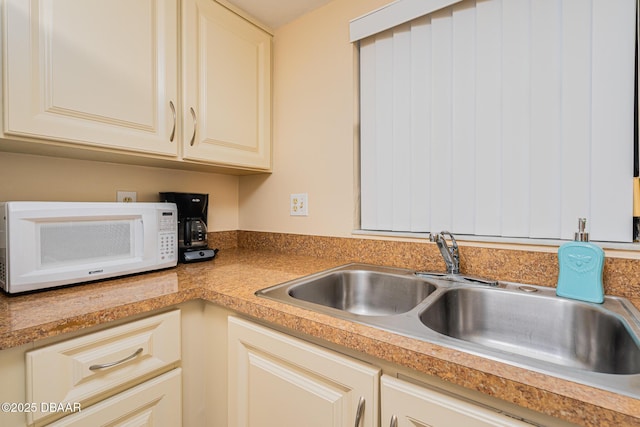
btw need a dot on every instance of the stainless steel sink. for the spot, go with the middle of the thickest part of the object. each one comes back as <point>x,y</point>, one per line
<point>524,325</point>
<point>565,332</point>
<point>364,292</point>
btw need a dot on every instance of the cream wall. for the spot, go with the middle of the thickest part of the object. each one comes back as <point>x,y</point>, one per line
<point>314,125</point>
<point>313,128</point>
<point>313,149</point>
<point>29,177</point>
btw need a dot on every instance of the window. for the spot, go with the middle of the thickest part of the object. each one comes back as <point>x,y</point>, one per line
<point>498,117</point>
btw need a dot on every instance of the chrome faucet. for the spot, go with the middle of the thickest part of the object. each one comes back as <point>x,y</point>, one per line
<point>450,254</point>
<point>452,260</point>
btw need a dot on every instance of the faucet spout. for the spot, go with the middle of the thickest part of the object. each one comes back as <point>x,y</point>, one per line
<point>450,255</point>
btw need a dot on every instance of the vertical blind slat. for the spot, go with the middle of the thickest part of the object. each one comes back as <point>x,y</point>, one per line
<point>464,135</point>
<point>401,128</point>
<point>576,114</point>
<point>420,122</point>
<point>545,119</point>
<point>384,131</point>
<point>612,129</point>
<point>516,126</point>
<point>488,120</point>
<point>368,193</point>
<point>441,122</point>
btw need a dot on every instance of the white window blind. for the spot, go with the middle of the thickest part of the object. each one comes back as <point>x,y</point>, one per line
<point>501,118</point>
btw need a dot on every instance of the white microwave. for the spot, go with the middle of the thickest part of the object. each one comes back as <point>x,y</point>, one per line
<point>48,244</point>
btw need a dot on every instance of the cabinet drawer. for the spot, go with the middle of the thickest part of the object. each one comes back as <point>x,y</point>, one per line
<point>410,405</point>
<point>88,368</point>
<point>153,403</point>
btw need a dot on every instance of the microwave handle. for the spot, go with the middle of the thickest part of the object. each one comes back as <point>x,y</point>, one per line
<point>140,236</point>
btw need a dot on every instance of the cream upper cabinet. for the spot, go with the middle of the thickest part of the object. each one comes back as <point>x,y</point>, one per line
<point>404,404</point>
<point>128,78</point>
<point>226,87</point>
<point>101,73</point>
<point>276,380</point>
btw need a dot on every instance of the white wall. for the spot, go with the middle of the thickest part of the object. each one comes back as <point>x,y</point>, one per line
<point>29,177</point>
<point>313,129</point>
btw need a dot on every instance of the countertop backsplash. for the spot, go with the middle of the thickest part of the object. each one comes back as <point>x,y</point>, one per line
<point>621,275</point>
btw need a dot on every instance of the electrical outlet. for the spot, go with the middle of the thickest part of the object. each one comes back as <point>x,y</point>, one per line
<point>299,204</point>
<point>126,196</point>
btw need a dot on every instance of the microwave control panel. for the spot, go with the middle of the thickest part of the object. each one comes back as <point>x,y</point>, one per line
<point>168,235</point>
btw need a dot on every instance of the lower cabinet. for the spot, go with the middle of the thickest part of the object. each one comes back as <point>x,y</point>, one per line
<point>126,372</point>
<point>277,380</point>
<point>156,402</point>
<point>201,365</point>
<point>404,404</point>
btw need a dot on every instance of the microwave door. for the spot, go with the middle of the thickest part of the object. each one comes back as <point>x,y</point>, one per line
<point>88,248</point>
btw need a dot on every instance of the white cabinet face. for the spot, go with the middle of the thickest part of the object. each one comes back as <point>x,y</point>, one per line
<point>277,380</point>
<point>227,87</point>
<point>155,403</point>
<point>104,75</point>
<point>93,72</point>
<point>407,405</point>
<point>90,367</point>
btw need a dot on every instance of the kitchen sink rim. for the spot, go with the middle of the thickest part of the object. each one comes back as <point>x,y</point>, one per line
<point>408,324</point>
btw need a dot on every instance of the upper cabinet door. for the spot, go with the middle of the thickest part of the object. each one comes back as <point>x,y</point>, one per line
<point>95,72</point>
<point>227,88</point>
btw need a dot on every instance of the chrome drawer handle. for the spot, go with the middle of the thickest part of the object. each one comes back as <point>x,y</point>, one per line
<point>110,364</point>
<point>394,421</point>
<point>359,411</point>
<point>173,112</point>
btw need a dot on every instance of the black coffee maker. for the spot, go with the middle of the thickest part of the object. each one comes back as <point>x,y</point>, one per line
<point>193,244</point>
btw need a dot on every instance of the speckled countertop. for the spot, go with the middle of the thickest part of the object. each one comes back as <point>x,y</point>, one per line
<point>231,280</point>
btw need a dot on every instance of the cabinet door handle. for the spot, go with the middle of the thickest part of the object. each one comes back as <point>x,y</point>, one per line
<point>173,112</point>
<point>394,421</point>
<point>195,126</point>
<point>117,362</point>
<point>359,411</point>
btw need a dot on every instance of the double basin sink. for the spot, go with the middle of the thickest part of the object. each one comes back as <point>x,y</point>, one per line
<point>529,326</point>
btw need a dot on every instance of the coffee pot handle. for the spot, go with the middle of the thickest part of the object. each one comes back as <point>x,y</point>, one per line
<point>187,233</point>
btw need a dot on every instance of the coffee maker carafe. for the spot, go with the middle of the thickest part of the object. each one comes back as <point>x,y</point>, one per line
<point>193,244</point>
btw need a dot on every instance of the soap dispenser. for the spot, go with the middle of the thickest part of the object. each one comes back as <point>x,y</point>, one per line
<point>581,264</point>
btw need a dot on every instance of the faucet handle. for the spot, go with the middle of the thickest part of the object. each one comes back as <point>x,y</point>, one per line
<point>450,254</point>
<point>454,244</point>
<point>440,237</point>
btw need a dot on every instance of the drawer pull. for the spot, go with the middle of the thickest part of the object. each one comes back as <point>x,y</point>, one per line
<point>394,421</point>
<point>359,411</point>
<point>117,362</point>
